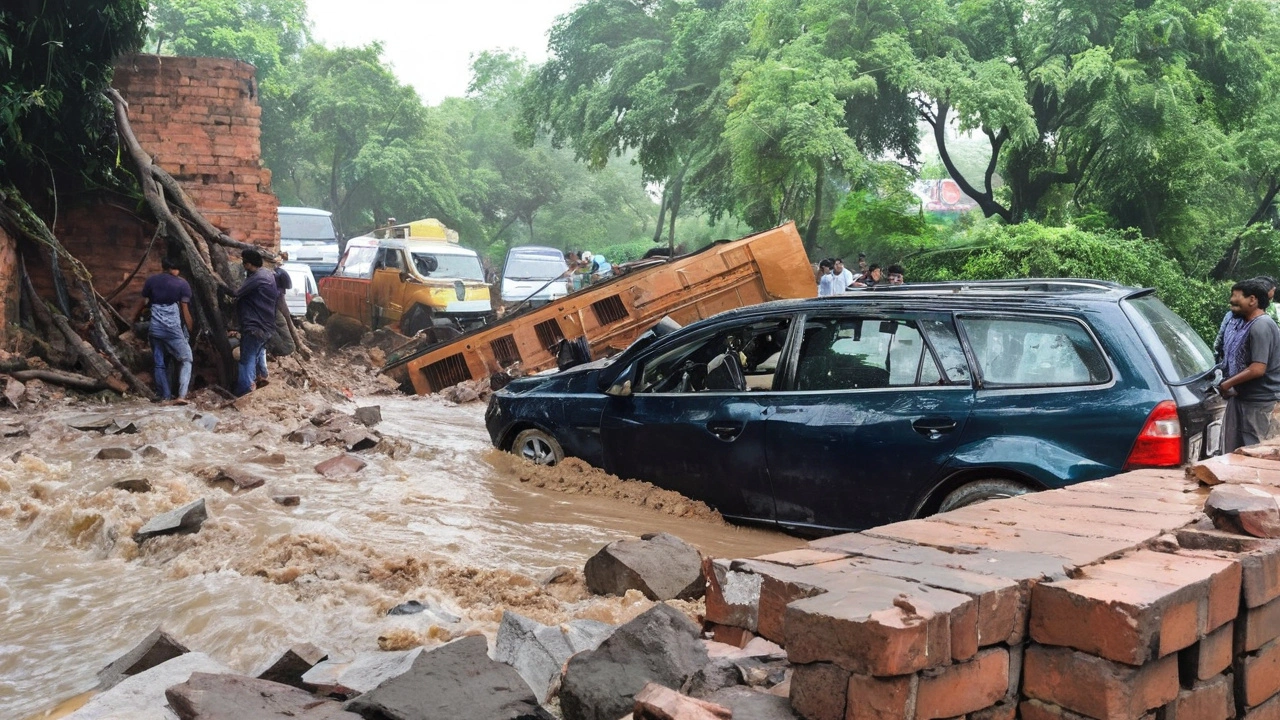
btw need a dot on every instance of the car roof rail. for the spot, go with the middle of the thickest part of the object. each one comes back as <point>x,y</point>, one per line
<point>1028,285</point>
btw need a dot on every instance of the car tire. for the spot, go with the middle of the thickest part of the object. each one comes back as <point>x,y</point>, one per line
<point>538,447</point>
<point>972,493</point>
<point>415,320</point>
<point>317,312</point>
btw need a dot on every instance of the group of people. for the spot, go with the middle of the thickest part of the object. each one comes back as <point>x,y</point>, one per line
<point>1248,352</point>
<point>586,267</point>
<point>834,278</point>
<point>256,302</point>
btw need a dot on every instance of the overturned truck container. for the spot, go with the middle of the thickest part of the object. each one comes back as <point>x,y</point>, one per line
<point>769,265</point>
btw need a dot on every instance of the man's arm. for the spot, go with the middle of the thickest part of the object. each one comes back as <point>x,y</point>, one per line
<point>1254,371</point>
<point>186,315</point>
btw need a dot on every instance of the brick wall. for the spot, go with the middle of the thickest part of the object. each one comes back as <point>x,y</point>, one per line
<point>1108,600</point>
<point>200,120</point>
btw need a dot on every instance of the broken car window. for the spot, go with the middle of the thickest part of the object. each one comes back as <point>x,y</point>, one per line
<point>735,359</point>
<point>863,354</point>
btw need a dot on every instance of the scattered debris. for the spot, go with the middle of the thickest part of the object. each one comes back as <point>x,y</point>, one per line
<point>369,415</point>
<point>289,668</point>
<point>655,702</point>
<point>538,651</point>
<point>151,452</point>
<point>360,674</point>
<point>186,519</point>
<point>208,696</point>
<point>660,565</point>
<point>1244,509</point>
<point>141,696</point>
<point>156,648</point>
<point>114,453</point>
<point>661,645</point>
<point>136,485</point>
<point>340,465</point>
<point>457,680</point>
<point>287,500</point>
<point>237,479</point>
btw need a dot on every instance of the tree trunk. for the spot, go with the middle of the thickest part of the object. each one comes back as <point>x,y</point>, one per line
<point>815,221</point>
<point>1226,266</point>
<point>985,200</point>
<point>206,284</point>
<point>662,213</point>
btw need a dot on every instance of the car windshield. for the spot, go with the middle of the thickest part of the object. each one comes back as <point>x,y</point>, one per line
<point>1179,352</point>
<point>535,267</point>
<point>462,267</point>
<point>318,228</point>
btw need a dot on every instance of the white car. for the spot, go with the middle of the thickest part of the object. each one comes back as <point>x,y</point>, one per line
<point>536,274</point>
<point>304,288</point>
<point>307,235</point>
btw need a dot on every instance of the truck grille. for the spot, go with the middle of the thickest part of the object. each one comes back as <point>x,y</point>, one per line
<point>505,350</point>
<point>549,334</point>
<point>447,372</point>
<point>609,310</point>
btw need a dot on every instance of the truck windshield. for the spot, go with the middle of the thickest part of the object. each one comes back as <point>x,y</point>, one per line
<point>461,267</point>
<point>541,266</point>
<point>1176,348</point>
<point>306,227</point>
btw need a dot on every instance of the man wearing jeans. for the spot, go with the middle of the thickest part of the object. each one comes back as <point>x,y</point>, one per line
<point>256,306</point>
<point>169,298</point>
<point>1251,351</point>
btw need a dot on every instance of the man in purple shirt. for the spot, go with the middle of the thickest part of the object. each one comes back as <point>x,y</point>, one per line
<point>169,298</point>
<point>256,307</point>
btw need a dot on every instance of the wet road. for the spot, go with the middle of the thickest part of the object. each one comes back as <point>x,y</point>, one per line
<point>437,522</point>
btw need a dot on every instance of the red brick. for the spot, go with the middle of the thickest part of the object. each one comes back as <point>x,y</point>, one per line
<point>732,598</point>
<point>964,687</point>
<point>1125,525</point>
<point>803,557</point>
<point>1077,550</point>
<point>1269,710</point>
<point>1259,558</point>
<point>999,711</point>
<point>818,691</point>
<point>729,635</point>
<point>1260,675</point>
<point>1118,617</point>
<point>1211,699</point>
<point>872,698</point>
<point>1208,657</point>
<point>872,624</point>
<point>1260,626</point>
<point>1097,687</point>
<point>1037,710</point>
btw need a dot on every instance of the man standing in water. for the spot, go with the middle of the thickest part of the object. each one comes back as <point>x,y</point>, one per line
<point>256,307</point>
<point>169,298</point>
<point>1251,352</point>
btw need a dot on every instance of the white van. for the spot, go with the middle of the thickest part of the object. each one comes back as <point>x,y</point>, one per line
<point>307,235</point>
<point>304,288</point>
<point>535,273</point>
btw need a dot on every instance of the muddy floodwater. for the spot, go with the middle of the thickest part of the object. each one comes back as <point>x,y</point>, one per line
<point>437,516</point>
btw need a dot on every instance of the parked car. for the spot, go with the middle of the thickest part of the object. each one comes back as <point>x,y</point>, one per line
<point>847,412</point>
<point>307,235</point>
<point>304,288</point>
<point>535,275</point>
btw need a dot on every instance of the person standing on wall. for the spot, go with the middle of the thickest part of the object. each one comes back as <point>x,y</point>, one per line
<point>255,303</point>
<point>1251,351</point>
<point>169,298</point>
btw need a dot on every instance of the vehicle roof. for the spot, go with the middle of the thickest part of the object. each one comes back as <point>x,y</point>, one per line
<point>302,211</point>
<point>1035,293</point>
<point>296,267</point>
<point>535,250</point>
<point>437,247</point>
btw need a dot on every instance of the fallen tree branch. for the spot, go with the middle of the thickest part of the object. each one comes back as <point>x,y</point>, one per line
<point>60,377</point>
<point>207,285</point>
<point>188,210</point>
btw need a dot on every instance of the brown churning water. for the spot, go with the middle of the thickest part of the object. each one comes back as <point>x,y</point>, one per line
<point>440,519</point>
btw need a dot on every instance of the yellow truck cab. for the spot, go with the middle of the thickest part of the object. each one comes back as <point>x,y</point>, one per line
<point>413,277</point>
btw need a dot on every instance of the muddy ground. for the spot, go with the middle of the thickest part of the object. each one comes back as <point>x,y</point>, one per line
<point>437,516</point>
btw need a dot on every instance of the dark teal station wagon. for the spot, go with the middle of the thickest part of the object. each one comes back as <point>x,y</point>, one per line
<point>842,413</point>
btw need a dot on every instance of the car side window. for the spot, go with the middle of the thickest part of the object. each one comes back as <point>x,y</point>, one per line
<point>358,262</point>
<point>389,259</point>
<point>848,353</point>
<point>741,359</point>
<point>1044,352</point>
<point>950,355</point>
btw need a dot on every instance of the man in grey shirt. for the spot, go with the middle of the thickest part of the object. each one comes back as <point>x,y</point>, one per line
<point>1251,352</point>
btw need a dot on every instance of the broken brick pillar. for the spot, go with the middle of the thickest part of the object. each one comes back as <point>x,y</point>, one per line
<point>9,287</point>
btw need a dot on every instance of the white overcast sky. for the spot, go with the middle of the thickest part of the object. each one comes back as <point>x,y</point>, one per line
<point>430,42</point>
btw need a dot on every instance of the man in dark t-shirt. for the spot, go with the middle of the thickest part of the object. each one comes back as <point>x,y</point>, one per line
<point>169,298</point>
<point>256,306</point>
<point>1251,353</point>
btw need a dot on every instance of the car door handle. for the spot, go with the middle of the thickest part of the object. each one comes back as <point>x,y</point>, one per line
<point>724,430</point>
<point>934,427</point>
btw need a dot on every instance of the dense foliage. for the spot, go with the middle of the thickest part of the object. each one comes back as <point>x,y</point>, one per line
<point>1131,126</point>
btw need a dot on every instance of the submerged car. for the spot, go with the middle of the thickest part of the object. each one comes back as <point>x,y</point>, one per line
<point>842,413</point>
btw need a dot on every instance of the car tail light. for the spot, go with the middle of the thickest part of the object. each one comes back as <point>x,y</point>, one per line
<point>1160,442</point>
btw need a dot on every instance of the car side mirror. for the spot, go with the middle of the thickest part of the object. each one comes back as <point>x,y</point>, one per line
<point>621,386</point>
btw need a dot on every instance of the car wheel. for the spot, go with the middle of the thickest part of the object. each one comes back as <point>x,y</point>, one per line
<point>415,320</point>
<point>537,447</point>
<point>318,312</point>
<point>980,491</point>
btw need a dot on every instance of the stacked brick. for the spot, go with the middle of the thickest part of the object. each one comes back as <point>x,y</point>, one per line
<point>200,119</point>
<point>1109,599</point>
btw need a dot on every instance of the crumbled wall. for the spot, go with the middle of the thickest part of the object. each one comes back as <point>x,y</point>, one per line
<point>8,282</point>
<point>200,120</point>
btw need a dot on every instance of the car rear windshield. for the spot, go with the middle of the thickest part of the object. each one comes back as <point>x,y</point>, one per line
<point>1178,351</point>
<point>534,267</point>
<point>306,227</point>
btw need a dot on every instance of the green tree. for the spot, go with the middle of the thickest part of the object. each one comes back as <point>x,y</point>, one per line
<point>266,33</point>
